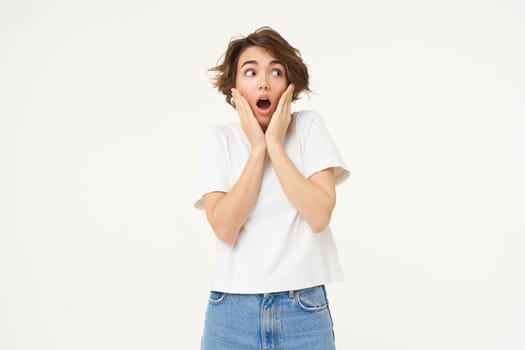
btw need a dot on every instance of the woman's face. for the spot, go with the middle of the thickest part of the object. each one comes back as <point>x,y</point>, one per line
<point>261,79</point>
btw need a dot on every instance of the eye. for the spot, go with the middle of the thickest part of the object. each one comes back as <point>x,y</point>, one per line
<point>249,73</point>
<point>276,73</point>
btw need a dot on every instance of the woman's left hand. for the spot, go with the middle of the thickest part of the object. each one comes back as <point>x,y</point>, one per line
<point>280,119</point>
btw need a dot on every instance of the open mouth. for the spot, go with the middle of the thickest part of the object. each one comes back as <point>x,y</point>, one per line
<point>263,104</point>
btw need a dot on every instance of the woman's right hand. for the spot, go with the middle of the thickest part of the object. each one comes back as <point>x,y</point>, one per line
<point>249,123</point>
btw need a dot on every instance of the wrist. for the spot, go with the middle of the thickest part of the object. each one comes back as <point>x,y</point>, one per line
<point>258,150</point>
<point>274,146</point>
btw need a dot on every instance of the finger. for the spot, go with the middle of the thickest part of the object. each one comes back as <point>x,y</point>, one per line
<point>289,97</point>
<point>285,100</point>
<point>289,92</point>
<point>239,102</point>
<point>235,98</point>
<point>244,110</point>
<point>282,102</point>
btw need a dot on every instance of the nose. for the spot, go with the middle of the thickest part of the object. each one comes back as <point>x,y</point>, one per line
<point>263,84</point>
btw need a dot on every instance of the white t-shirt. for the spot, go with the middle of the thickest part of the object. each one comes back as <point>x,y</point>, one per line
<point>276,250</point>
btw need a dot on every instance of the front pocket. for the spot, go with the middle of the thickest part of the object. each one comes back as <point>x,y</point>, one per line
<point>312,299</point>
<point>216,297</point>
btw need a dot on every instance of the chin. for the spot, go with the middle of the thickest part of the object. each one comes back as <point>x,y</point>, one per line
<point>264,120</point>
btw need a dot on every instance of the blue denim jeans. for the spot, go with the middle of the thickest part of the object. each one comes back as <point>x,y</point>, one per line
<point>273,321</point>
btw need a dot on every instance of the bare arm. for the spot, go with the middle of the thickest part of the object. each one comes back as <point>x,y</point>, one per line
<point>227,212</point>
<point>314,198</point>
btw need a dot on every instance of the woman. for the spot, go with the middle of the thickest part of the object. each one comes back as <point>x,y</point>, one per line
<point>267,184</point>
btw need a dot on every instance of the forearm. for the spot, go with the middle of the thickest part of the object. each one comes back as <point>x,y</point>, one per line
<point>314,203</point>
<point>231,212</point>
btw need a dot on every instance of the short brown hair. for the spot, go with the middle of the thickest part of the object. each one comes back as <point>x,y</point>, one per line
<point>271,40</point>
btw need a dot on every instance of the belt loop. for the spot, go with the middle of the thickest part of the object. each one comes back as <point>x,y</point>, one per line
<point>292,294</point>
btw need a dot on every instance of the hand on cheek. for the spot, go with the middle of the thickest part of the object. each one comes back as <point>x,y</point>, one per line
<point>249,123</point>
<point>280,118</point>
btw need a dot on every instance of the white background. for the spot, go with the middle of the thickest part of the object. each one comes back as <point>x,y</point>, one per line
<point>100,104</point>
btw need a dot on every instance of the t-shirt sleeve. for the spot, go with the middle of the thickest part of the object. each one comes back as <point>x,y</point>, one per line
<point>212,174</point>
<point>320,151</point>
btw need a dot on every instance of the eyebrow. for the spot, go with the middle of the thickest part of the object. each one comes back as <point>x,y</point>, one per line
<point>256,63</point>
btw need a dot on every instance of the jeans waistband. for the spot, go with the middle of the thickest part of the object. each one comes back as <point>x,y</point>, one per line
<point>291,293</point>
